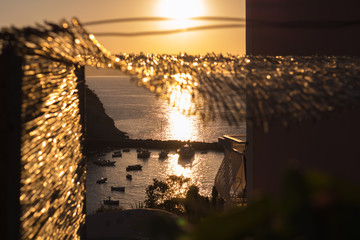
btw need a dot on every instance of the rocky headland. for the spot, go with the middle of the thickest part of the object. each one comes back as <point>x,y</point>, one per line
<point>101,132</point>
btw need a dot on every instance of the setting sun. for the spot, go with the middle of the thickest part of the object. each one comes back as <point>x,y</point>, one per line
<point>181,11</point>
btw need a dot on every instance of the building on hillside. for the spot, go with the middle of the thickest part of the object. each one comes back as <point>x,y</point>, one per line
<point>301,111</point>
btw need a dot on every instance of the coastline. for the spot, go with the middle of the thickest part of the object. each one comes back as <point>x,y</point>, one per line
<point>101,133</point>
<point>151,144</point>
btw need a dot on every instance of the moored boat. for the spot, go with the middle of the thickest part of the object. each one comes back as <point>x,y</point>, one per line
<point>186,151</point>
<point>117,154</point>
<point>134,167</point>
<point>163,154</point>
<point>121,189</point>
<point>144,154</point>
<point>102,180</point>
<point>110,201</point>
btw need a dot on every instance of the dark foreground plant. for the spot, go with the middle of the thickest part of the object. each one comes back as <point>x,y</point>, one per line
<point>312,206</point>
<point>176,195</point>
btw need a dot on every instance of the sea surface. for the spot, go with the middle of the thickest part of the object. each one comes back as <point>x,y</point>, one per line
<point>138,112</point>
<point>142,115</point>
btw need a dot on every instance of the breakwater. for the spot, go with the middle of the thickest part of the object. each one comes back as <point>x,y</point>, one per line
<point>151,144</point>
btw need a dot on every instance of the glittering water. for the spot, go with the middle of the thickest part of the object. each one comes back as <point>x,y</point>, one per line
<point>142,115</point>
<point>201,169</point>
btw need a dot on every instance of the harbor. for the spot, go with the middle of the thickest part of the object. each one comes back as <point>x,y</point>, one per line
<point>201,169</point>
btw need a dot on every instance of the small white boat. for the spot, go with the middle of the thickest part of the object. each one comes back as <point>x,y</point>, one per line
<point>186,151</point>
<point>110,201</point>
<point>120,189</point>
<point>102,180</point>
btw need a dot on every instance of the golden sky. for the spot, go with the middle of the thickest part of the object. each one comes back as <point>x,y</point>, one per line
<point>230,40</point>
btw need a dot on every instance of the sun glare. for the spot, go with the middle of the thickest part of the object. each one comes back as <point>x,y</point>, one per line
<point>180,126</point>
<point>174,168</point>
<point>181,11</point>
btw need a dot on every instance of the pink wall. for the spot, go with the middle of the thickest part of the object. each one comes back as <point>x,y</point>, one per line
<point>331,145</point>
<point>271,40</point>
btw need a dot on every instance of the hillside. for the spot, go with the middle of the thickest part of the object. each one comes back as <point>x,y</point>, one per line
<point>99,126</point>
<point>102,133</point>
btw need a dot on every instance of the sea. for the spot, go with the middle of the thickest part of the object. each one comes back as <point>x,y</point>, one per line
<point>142,115</point>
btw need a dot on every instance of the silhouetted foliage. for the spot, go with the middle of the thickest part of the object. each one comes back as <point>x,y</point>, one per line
<point>103,208</point>
<point>196,206</point>
<point>156,194</point>
<point>176,196</point>
<point>312,206</point>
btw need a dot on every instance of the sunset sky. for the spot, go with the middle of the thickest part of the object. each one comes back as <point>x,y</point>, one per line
<point>21,13</point>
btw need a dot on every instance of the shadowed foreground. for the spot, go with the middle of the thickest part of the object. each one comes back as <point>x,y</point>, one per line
<point>312,205</point>
<point>134,224</point>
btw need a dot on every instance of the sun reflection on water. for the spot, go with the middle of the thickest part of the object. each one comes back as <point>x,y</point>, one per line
<point>180,126</point>
<point>174,168</point>
<point>181,169</point>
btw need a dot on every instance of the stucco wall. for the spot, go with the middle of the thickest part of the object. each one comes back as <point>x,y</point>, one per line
<point>321,36</point>
<point>330,145</point>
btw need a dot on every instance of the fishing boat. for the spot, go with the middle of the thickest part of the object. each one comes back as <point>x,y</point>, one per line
<point>186,151</point>
<point>111,202</point>
<point>117,154</point>
<point>100,162</point>
<point>129,176</point>
<point>144,154</point>
<point>163,154</point>
<point>120,189</point>
<point>134,167</point>
<point>102,180</point>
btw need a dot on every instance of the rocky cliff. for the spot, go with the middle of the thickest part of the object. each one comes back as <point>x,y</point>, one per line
<point>102,133</point>
<point>99,126</point>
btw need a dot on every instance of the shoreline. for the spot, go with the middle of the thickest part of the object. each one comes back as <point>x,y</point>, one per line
<point>101,133</point>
